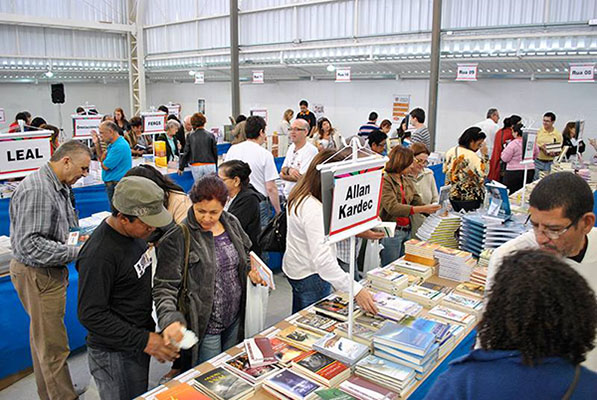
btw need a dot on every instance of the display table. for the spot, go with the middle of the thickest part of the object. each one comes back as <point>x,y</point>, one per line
<point>419,391</point>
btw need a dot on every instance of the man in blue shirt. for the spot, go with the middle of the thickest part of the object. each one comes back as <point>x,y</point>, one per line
<point>117,160</point>
<point>370,126</point>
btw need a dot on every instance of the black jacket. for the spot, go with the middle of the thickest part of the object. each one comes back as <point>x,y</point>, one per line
<point>245,207</point>
<point>572,149</point>
<point>200,147</point>
<point>202,275</point>
<point>169,154</point>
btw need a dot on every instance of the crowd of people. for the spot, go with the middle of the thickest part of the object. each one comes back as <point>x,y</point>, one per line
<point>202,243</point>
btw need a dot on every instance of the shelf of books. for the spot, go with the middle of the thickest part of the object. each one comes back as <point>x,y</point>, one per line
<point>424,322</point>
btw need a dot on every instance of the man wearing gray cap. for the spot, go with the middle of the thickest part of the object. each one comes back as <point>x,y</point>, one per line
<point>115,301</point>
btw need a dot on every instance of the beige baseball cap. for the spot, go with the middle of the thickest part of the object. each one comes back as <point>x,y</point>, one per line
<point>142,198</point>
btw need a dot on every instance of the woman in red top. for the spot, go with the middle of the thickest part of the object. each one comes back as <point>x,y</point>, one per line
<point>502,138</point>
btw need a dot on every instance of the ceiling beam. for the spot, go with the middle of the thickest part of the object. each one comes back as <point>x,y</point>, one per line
<point>63,23</point>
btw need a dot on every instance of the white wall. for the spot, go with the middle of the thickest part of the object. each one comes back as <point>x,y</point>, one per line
<point>36,99</point>
<point>461,104</point>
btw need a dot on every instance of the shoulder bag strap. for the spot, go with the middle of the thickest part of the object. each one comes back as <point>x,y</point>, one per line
<point>185,272</point>
<point>570,390</point>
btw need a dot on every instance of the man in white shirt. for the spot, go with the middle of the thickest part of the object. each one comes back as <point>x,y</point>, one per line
<point>561,212</point>
<point>299,155</point>
<point>490,127</point>
<point>263,168</point>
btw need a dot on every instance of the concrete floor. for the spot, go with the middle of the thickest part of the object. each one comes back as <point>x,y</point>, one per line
<point>280,306</point>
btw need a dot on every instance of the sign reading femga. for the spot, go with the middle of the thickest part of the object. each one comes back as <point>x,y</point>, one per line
<point>84,124</point>
<point>154,122</point>
<point>23,153</point>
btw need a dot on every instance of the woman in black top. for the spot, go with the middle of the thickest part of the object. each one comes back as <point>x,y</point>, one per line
<point>243,199</point>
<point>571,140</point>
<point>200,150</point>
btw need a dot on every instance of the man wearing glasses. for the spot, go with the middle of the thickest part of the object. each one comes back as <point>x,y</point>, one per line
<point>561,214</point>
<point>41,216</point>
<point>299,155</point>
<point>548,134</point>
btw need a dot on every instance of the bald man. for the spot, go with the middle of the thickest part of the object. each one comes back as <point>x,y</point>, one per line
<point>117,158</point>
<point>299,155</point>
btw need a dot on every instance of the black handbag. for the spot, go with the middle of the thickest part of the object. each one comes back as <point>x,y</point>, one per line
<point>273,236</point>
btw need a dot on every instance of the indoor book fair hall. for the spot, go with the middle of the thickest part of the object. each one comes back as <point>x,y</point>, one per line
<point>298,199</point>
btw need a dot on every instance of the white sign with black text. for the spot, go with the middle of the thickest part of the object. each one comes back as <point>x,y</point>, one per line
<point>466,72</point>
<point>2,116</point>
<point>529,146</point>
<point>258,77</point>
<point>199,78</point>
<point>84,124</point>
<point>581,72</point>
<point>154,122</point>
<point>343,74</point>
<point>21,154</point>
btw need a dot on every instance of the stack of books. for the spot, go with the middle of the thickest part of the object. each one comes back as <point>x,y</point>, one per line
<point>287,384</point>
<point>500,233</point>
<point>407,346</point>
<point>360,333</point>
<point>298,337</point>
<point>387,373</point>
<point>394,307</point>
<point>473,233</point>
<point>479,275</point>
<point>335,307</point>
<point>387,280</point>
<point>441,331</point>
<point>364,389</point>
<point>452,316</point>
<point>456,265</point>
<point>260,352</point>
<point>221,384</point>
<point>411,268</point>
<point>284,352</point>
<point>240,366</point>
<point>321,368</point>
<point>319,324</point>
<point>333,394</point>
<point>420,252</point>
<point>183,391</point>
<point>484,257</point>
<point>440,229</point>
<point>470,289</point>
<point>425,296</point>
<point>342,349</point>
<point>463,303</point>
<point>479,232</point>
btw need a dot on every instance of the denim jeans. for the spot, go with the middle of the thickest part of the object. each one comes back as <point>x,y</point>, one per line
<point>541,166</point>
<point>266,214</point>
<point>308,290</point>
<point>110,186</point>
<point>393,248</point>
<point>199,171</point>
<point>119,375</point>
<point>212,345</point>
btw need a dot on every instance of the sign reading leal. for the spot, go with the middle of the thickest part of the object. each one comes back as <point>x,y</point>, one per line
<point>258,76</point>
<point>581,72</point>
<point>84,124</point>
<point>466,72</point>
<point>154,122</point>
<point>23,153</point>
<point>342,74</point>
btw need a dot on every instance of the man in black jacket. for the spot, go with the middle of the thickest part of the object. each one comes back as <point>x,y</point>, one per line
<point>115,302</point>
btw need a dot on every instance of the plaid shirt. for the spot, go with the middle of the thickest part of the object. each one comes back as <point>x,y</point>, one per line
<point>41,215</point>
<point>343,250</point>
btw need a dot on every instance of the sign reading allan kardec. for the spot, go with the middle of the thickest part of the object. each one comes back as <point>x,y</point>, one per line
<point>23,153</point>
<point>154,122</point>
<point>84,124</point>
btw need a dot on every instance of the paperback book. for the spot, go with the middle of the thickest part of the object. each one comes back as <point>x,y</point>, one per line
<point>450,315</point>
<point>260,352</point>
<point>240,366</point>
<point>319,324</point>
<point>404,338</point>
<point>221,384</point>
<point>342,349</point>
<point>422,295</point>
<point>298,337</point>
<point>395,307</point>
<point>183,391</point>
<point>335,307</point>
<point>463,303</point>
<point>284,352</point>
<point>291,385</point>
<point>321,368</point>
<point>387,373</point>
<point>333,394</point>
<point>364,389</point>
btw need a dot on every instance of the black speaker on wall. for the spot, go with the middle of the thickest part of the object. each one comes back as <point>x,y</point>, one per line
<point>58,93</point>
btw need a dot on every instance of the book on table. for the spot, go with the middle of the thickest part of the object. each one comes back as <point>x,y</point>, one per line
<point>333,394</point>
<point>387,373</point>
<point>182,391</point>
<point>463,303</point>
<point>340,348</point>
<point>439,329</point>
<point>471,289</point>
<point>451,315</point>
<point>422,367</point>
<point>360,333</point>
<point>260,352</point>
<point>364,389</point>
<point>240,366</point>
<point>335,307</point>
<point>387,280</point>
<point>404,338</point>
<point>284,352</point>
<point>412,268</point>
<point>394,307</point>
<point>298,337</point>
<point>221,384</point>
<point>373,322</point>
<point>321,368</point>
<point>319,324</point>
<point>423,295</point>
<point>289,384</point>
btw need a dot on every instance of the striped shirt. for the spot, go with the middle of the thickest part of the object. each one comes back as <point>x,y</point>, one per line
<point>366,129</point>
<point>421,135</point>
<point>41,215</point>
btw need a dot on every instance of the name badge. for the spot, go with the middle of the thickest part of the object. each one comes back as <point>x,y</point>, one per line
<point>143,263</point>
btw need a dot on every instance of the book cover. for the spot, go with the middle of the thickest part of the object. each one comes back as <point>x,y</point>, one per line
<point>321,365</point>
<point>316,322</point>
<point>405,338</point>
<point>183,391</point>
<point>266,274</point>
<point>241,364</point>
<point>283,351</point>
<point>396,305</point>
<point>452,315</point>
<point>343,348</point>
<point>335,307</point>
<point>301,338</point>
<point>367,390</point>
<point>333,394</point>
<point>223,384</point>
<point>370,321</point>
<point>293,384</point>
<point>438,329</point>
<point>259,351</point>
<point>385,368</point>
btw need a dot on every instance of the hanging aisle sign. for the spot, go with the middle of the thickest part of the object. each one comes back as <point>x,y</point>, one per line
<point>258,76</point>
<point>400,107</point>
<point>581,72</point>
<point>199,78</point>
<point>343,74</point>
<point>84,124</point>
<point>174,109</point>
<point>154,122</point>
<point>466,72</point>
<point>22,153</point>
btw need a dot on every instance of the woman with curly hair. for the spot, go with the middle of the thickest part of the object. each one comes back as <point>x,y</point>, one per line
<point>539,323</point>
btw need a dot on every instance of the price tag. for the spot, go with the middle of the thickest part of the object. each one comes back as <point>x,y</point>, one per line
<point>258,77</point>
<point>343,74</point>
<point>467,72</point>
<point>582,72</point>
<point>199,78</point>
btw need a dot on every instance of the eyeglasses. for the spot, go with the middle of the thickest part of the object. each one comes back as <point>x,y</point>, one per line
<point>552,234</point>
<point>297,129</point>
<point>422,162</point>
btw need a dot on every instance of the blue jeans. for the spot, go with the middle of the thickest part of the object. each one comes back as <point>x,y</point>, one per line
<point>110,186</point>
<point>308,290</point>
<point>202,170</point>
<point>393,248</point>
<point>118,375</point>
<point>541,166</point>
<point>212,345</point>
<point>266,214</point>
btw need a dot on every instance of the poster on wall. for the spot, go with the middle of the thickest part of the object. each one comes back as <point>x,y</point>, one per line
<point>318,110</point>
<point>343,74</point>
<point>201,106</point>
<point>2,116</point>
<point>258,76</point>
<point>199,78</point>
<point>584,72</point>
<point>400,106</point>
<point>467,72</point>
<point>84,124</point>
<point>261,112</point>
